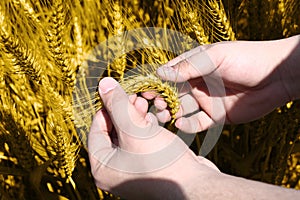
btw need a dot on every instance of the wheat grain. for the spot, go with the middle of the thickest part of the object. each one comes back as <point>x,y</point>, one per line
<point>287,9</point>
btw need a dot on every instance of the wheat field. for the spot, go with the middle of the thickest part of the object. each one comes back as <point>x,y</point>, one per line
<point>51,49</point>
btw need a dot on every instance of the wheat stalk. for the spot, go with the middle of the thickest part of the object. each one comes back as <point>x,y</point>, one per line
<point>79,45</point>
<point>23,60</point>
<point>59,143</point>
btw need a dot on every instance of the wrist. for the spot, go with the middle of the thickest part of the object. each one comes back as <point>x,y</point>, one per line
<point>188,178</point>
<point>197,178</point>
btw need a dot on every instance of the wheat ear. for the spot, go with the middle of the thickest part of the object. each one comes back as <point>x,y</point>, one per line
<point>55,38</point>
<point>117,68</point>
<point>65,145</point>
<point>28,9</point>
<point>150,82</point>
<point>220,21</point>
<point>192,22</point>
<point>21,56</point>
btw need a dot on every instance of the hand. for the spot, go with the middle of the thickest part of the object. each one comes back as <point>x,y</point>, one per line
<point>132,156</point>
<point>233,81</point>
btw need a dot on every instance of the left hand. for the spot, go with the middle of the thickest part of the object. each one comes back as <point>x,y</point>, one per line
<point>132,156</point>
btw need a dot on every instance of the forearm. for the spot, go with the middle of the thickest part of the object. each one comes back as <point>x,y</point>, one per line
<point>222,186</point>
<point>290,67</point>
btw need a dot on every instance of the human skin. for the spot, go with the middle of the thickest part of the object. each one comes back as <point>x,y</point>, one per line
<point>158,183</point>
<point>257,77</point>
<point>253,73</point>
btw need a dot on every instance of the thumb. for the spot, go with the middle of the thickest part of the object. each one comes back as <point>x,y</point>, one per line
<point>191,64</point>
<point>125,117</point>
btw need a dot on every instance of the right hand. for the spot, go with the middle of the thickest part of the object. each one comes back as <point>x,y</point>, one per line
<point>251,73</point>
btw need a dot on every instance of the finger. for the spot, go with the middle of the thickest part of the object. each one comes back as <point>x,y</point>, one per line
<point>192,64</point>
<point>116,102</point>
<point>188,105</point>
<point>140,104</point>
<point>210,103</point>
<point>163,116</point>
<point>101,123</point>
<point>183,88</point>
<point>183,56</point>
<point>160,103</point>
<point>127,119</point>
<point>195,123</point>
<point>99,139</point>
<point>132,98</point>
<point>149,95</point>
<point>151,118</point>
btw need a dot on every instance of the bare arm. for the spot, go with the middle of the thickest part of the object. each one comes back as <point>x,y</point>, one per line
<point>222,186</point>
<point>290,70</point>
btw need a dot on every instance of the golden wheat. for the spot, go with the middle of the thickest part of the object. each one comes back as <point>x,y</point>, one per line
<point>192,22</point>
<point>44,45</point>
<point>21,57</point>
<point>287,9</point>
<point>56,33</point>
<point>65,146</point>
<point>26,6</point>
<point>220,21</point>
<point>117,68</point>
<point>24,63</point>
<point>144,83</point>
<point>150,82</point>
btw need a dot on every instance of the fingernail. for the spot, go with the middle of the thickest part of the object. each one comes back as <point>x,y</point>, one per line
<point>178,123</point>
<point>107,84</point>
<point>149,118</point>
<point>160,104</point>
<point>164,116</point>
<point>132,98</point>
<point>165,71</point>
